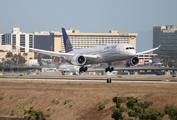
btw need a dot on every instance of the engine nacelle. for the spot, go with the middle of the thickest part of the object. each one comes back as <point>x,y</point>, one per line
<point>133,61</point>
<point>78,60</point>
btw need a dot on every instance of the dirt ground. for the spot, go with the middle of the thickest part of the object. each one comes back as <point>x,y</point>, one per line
<point>84,98</point>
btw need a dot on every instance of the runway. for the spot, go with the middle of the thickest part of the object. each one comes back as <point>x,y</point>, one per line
<point>97,80</point>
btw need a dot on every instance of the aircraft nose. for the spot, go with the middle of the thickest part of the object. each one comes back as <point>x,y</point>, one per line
<point>132,53</point>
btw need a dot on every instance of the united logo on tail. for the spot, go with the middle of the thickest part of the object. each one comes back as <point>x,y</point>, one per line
<point>67,44</point>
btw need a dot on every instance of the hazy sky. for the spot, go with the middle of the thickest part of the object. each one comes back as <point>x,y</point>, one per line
<point>86,15</point>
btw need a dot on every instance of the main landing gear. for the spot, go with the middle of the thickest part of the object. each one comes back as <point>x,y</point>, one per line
<point>110,69</point>
<point>82,69</point>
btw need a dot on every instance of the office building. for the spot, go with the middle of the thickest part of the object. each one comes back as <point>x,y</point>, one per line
<point>44,40</point>
<point>18,38</point>
<point>166,36</point>
<point>84,40</point>
<point>1,38</point>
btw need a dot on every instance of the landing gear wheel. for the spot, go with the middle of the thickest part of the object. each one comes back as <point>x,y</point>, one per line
<point>85,69</point>
<point>108,80</point>
<point>109,69</point>
<point>82,69</point>
<point>112,69</point>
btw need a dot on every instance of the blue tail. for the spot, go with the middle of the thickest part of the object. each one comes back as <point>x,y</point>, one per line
<point>67,44</point>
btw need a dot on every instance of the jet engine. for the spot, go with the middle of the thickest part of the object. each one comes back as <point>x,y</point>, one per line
<point>78,60</point>
<point>133,61</point>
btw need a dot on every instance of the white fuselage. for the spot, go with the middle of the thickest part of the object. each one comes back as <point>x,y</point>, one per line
<point>108,53</point>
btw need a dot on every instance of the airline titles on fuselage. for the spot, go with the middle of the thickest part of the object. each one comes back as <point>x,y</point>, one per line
<point>107,48</point>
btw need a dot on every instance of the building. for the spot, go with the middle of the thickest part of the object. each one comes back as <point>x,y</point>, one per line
<point>166,36</point>
<point>1,39</point>
<point>53,41</point>
<point>84,40</point>
<point>146,59</point>
<point>8,48</point>
<point>18,38</point>
<point>44,40</point>
<point>30,55</point>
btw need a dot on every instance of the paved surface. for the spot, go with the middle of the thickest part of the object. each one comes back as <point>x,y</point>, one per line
<point>95,80</point>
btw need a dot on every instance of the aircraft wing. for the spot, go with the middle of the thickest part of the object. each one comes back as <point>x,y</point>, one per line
<point>59,54</point>
<point>139,53</point>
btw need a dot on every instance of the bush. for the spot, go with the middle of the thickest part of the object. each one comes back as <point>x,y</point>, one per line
<point>48,109</point>
<point>117,115</point>
<point>12,112</point>
<point>67,101</point>
<point>35,114</point>
<point>132,113</point>
<point>1,97</point>
<point>131,102</point>
<point>56,101</point>
<point>70,106</point>
<point>117,100</point>
<point>171,111</point>
<point>156,115</point>
<point>11,97</point>
<point>144,105</point>
<point>101,106</point>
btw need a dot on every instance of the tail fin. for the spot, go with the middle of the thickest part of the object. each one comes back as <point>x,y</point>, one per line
<point>67,44</point>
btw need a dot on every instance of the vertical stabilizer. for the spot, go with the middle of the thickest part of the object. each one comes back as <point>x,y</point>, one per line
<point>67,43</point>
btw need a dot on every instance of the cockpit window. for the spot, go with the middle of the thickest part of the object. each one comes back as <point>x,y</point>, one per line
<point>127,48</point>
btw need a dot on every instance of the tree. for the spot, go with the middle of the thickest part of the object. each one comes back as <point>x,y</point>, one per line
<point>18,59</point>
<point>21,59</point>
<point>40,60</point>
<point>25,55</point>
<point>9,55</point>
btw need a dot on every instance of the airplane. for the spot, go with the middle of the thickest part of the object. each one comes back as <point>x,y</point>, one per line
<point>65,67</point>
<point>72,69</point>
<point>68,68</point>
<point>94,55</point>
